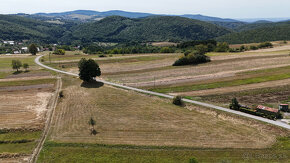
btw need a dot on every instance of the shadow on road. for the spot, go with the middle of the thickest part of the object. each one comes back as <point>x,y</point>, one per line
<point>92,84</point>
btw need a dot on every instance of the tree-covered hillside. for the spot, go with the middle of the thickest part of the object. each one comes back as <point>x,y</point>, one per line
<point>19,28</point>
<point>156,28</point>
<point>259,32</point>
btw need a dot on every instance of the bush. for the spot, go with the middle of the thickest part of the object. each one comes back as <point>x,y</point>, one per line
<point>166,50</point>
<point>254,47</point>
<point>222,47</point>
<point>193,160</point>
<point>177,100</point>
<point>25,66</point>
<point>234,50</point>
<point>102,56</point>
<point>193,58</point>
<point>59,52</point>
<point>266,45</point>
<point>61,94</point>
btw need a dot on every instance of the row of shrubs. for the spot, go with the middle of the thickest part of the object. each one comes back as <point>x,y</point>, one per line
<point>15,141</point>
<point>252,47</point>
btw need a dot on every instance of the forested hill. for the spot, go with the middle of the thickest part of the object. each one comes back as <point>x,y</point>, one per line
<point>259,32</point>
<point>155,28</point>
<point>21,28</point>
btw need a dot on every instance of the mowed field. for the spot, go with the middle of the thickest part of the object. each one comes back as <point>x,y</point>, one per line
<point>136,127</point>
<point>229,74</point>
<point>153,71</point>
<point>24,99</point>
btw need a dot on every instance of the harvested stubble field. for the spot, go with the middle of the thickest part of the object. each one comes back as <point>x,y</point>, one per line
<point>24,97</point>
<point>132,127</point>
<point>155,71</point>
<point>23,104</point>
<point>241,81</point>
<point>125,117</point>
<point>266,96</point>
<point>22,117</point>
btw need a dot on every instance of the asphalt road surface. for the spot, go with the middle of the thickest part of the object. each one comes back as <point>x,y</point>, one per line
<point>276,123</point>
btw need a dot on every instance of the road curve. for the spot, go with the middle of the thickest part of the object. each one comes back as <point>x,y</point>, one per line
<point>276,123</point>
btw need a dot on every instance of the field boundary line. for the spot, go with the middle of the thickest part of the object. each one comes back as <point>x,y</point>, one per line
<point>276,123</point>
<point>45,133</point>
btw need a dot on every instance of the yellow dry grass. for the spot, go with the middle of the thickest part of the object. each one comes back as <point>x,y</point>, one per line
<point>24,109</point>
<point>125,117</point>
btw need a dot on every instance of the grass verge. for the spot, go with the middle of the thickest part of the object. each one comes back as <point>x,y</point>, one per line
<point>67,152</point>
<point>27,82</point>
<point>22,142</point>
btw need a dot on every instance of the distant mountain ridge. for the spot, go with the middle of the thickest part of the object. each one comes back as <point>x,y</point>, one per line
<point>92,15</point>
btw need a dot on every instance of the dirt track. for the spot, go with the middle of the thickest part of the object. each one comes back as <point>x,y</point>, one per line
<point>235,88</point>
<point>51,109</point>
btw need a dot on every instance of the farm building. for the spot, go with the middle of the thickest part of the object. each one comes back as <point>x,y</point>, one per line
<point>284,107</point>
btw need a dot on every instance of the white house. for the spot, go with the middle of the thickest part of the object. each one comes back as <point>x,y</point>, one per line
<point>9,42</point>
<point>25,49</point>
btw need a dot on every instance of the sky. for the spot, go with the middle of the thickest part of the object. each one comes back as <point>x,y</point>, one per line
<point>217,8</point>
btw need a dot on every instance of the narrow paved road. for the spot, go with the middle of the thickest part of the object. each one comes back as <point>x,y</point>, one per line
<point>277,123</point>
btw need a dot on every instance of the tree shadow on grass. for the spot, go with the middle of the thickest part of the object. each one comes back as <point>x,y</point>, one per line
<point>17,72</point>
<point>92,84</point>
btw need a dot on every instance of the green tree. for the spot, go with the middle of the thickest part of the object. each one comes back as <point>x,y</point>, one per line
<point>32,49</point>
<point>193,160</point>
<point>235,104</point>
<point>193,58</point>
<point>177,100</point>
<point>222,47</point>
<point>166,50</point>
<point>88,69</point>
<point>92,122</point>
<point>25,66</point>
<point>59,52</point>
<point>201,49</point>
<point>16,64</point>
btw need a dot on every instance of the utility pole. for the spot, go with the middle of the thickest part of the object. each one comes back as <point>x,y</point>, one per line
<point>49,57</point>
<point>154,82</point>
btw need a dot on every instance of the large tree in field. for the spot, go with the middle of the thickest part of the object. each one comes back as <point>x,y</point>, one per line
<point>32,49</point>
<point>88,69</point>
<point>16,65</point>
